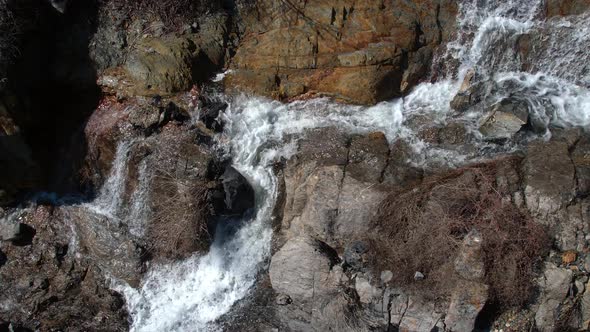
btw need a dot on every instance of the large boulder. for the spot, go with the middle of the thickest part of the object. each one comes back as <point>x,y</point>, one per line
<point>555,286</point>
<point>360,52</point>
<point>333,186</point>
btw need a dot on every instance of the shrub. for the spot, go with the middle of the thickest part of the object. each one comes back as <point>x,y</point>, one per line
<point>421,229</point>
<point>178,225</point>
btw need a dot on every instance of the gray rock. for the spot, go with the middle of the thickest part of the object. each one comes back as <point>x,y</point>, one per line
<point>549,178</point>
<point>506,119</point>
<point>9,229</point>
<point>467,301</point>
<point>419,276</point>
<point>239,195</point>
<point>469,262</point>
<point>554,287</point>
<point>412,313</point>
<point>301,269</point>
<point>386,276</point>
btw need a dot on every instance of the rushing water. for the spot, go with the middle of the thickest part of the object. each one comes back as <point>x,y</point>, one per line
<point>190,295</point>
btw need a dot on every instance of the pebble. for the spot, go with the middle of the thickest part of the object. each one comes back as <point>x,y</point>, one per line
<point>418,275</point>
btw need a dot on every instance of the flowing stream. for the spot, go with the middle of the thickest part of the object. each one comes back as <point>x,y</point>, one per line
<point>190,295</point>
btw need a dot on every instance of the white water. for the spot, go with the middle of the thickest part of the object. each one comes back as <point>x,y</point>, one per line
<point>190,295</point>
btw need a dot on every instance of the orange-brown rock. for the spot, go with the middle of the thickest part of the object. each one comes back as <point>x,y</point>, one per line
<point>356,51</point>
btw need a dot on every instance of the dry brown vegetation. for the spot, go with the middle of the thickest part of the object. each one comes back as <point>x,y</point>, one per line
<point>178,225</point>
<point>422,229</point>
<point>173,13</point>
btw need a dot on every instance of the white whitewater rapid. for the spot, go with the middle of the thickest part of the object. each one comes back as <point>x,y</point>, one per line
<point>192,294</point>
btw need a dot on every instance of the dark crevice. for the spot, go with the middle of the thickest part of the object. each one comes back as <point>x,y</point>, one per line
<point>53,84</point>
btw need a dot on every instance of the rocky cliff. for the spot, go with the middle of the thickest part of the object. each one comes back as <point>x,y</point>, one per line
<point>141,191</point>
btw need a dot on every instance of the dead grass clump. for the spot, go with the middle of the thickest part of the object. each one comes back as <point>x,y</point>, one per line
<point>173,13</point>
<point>178,226</point>
<point>422,230</point>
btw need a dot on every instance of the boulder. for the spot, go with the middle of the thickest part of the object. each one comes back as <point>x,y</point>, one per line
<point>549,178</point>
<point>301,269</point>
<point>239,195</point>
<point>359,52</point>
<point>160,66</point>
<point>506,119</point>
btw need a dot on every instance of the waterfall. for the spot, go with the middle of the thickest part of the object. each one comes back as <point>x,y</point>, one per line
<point>192,294</point>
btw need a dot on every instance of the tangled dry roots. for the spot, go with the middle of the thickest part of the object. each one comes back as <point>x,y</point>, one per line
<point>422,229</point>
<point>178,225</point>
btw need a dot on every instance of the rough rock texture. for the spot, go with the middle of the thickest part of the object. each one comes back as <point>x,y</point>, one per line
<point>44,285</point>
<point>360,52</point>
<point>556,284</point>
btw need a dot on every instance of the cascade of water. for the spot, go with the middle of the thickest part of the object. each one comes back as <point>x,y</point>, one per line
<point>110,197</point>
<point>192,294</point>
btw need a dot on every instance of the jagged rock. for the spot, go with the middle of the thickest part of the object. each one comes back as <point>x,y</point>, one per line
<point>355,51</point>
<point>366,292</point>
<point>453,133</point>
<point>106,244</point>
<point>581,159</point>
<point>356,255</point>
<point>586,307</point>
<point>554,286</point>
<point>367,157</point>
<point>506,119</point>
<point>399,170</point>
<point>18,170</point>
<point>332,189</point>
<point>470,294</point>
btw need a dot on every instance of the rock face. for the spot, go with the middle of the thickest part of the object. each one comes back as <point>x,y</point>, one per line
<point>45,286</point>
<point>360,52</point>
